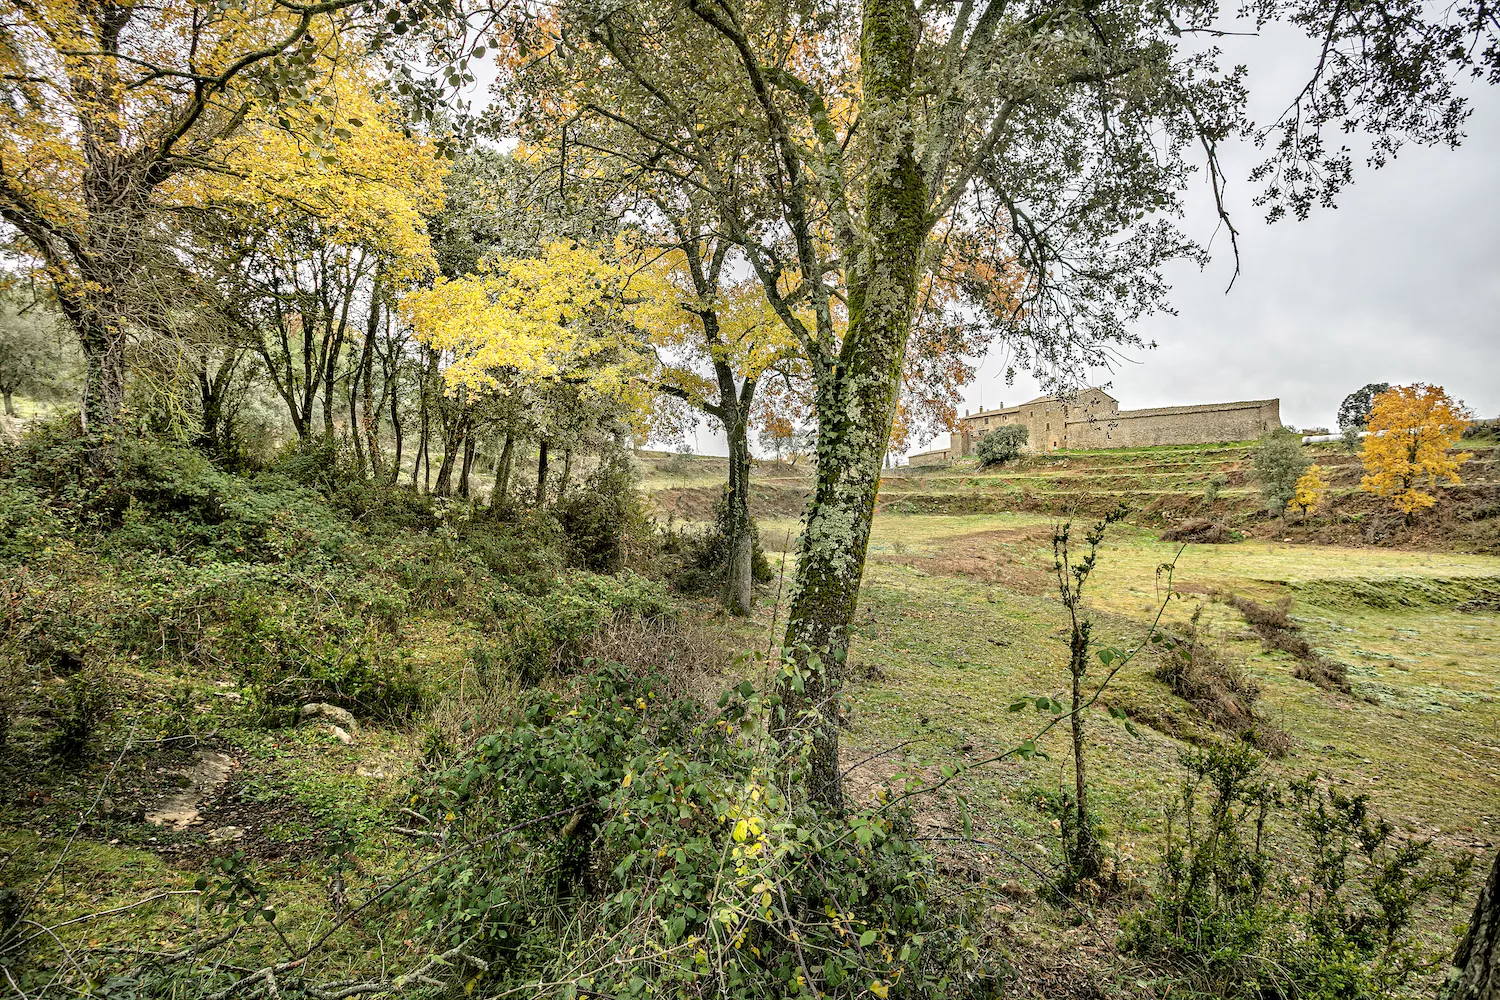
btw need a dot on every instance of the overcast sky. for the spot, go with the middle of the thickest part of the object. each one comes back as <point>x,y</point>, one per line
<point>1400,284</point>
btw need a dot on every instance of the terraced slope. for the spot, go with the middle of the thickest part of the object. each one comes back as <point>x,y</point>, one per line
<point>1161,486</point>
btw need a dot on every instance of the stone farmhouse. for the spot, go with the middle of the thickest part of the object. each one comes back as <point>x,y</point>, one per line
<point>1092,418</point>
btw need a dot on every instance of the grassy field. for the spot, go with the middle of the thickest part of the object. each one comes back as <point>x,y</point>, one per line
<point>958,617</point>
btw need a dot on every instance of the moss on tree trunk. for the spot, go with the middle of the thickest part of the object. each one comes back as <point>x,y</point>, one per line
<point>856,397</point>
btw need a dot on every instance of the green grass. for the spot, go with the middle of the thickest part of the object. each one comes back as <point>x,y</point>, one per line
<point>1418,735</point>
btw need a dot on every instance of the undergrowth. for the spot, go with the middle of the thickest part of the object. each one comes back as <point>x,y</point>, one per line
<point>1239,915</point>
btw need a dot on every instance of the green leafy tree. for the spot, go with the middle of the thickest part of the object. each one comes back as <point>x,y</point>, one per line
<point>1001,445</point>
<point>1354,411</point>
<point>842,149</point>
<point>1277,465</point>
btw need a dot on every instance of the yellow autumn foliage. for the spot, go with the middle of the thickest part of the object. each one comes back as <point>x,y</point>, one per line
<point>1310,490</point>
<point>573,310</point>
<point>344,161</point>
<point>72,96</point>
<point>1411,430</point>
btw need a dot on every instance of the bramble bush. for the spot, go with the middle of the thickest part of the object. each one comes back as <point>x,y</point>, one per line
<point>667,838</point>
<point>698,560</point>
<point>296,579</point>
<point>544,634</point>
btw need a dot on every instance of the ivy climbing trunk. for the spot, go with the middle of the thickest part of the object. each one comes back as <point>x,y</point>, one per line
<point>856,394</point>
<point>103,344</point>
<point>1475,974</point>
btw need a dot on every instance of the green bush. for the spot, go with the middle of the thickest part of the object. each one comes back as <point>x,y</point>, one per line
<point>660,834</point>
<point>545,633</point>
<point>526,548</point>
<point>1001,445</point>
<point>604,520</point>
<point>698,560</point>
<point>289,652</point>
<point>1326,914</point>
<point>79,711</point>
<point>1276,464</point>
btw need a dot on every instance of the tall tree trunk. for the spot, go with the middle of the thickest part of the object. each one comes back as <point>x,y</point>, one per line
<point>103,346</point>
<point>366,374</point>
<point>10,405</point>
<point>567,473</point>
<point>452,444</point>
<point>420,450</point>
<point>739,582</point>
<point>211,413</point>
<point>541,473</point>
<point>463,476</point>
<point>502,471</point>
<point>424,425</point>
<point>856,397</point>
<point>330,380</point>
<point>351,392</point>
<point>396,432</point>
<point>1475,974</point>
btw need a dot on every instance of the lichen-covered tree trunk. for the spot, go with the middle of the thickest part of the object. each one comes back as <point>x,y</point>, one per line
<point>856,398</point>
<point>1476,966</point>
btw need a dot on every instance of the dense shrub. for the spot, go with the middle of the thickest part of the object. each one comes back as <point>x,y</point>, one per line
<point>1001,445</point>
<point>604,520</point>
<point>525,547</point>
<point>697,560</point>
<point>79,711</point>
<point>1325,914</point>
<point>662,834</point>
<point>288,652</point>
<point>1483,428</point>
<point>545,633</point>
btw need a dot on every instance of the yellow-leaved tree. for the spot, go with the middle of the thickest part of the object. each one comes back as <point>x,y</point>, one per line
<point>574,312</point>
<point>104,106</point>
<point>316,215</point>
<point>1310,489</point>
<point>1412,430</point>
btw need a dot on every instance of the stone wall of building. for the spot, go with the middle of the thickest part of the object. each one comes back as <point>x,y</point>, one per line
<point>939,456</point>
<point>1211,423</point>
<point>1092,418</point>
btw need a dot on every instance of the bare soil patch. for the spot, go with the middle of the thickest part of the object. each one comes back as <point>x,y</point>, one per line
<point>1004,557</point>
